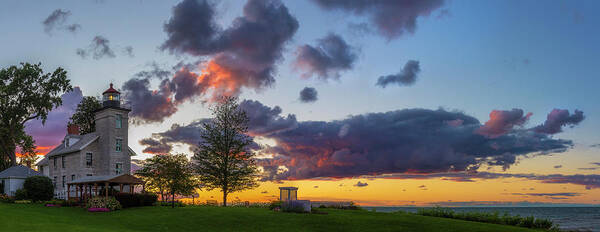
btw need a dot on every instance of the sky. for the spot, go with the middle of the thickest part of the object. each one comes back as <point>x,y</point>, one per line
<point>382,103</point>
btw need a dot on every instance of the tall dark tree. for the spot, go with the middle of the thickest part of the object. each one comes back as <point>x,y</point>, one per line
<point>26,93</point>
<point>84,116</point>
<point>223,159</point>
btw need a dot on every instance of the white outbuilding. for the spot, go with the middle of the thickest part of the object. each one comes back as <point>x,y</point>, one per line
<point>13,178</point>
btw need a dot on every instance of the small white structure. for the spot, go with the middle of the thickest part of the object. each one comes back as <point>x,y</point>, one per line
<point>13,178</point>
<point>290,194</point>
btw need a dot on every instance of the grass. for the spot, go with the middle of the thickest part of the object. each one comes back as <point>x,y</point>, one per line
<point>35,217</point>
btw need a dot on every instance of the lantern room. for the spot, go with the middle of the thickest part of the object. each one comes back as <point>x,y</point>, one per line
<point>288,193</point>
<point>111,97</point>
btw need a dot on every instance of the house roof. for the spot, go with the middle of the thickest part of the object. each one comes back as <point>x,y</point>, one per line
<point>19,171</point>
<point>84,141</point>
<point>118,179</point>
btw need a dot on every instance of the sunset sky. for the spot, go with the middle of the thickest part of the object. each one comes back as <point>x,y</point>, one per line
<point>388,103</point>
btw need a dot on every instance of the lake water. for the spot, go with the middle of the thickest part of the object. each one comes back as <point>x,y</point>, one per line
<point>568,218</point>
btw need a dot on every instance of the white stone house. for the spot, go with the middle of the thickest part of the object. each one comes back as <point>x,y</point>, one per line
<point>100,155</point>
<point>13,178</point>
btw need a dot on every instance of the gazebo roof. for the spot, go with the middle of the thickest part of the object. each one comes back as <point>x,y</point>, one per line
<point>116,179</point>
<point>288,188</point>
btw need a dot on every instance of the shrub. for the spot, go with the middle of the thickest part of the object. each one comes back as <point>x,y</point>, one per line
<point>292,207</point>
<point>275,204</point>
<point>128,200</point>
<point>6,199</point>
<point>103,202</point>
<point>23,202</point>
<point>71,203</point>
<point>170,203</point>
<point>506,219</point>
<point>21,194</point>
<point>39,188</point>
<point>55,202</point>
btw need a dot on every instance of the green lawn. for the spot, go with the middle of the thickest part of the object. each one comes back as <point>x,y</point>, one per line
<point>35,217</point>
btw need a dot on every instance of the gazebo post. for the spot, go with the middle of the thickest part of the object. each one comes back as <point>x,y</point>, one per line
<point>96,189</point>
<point>106,189</point>
<point>131,188</point>
<point>120,188</point>
<point>68,191</point>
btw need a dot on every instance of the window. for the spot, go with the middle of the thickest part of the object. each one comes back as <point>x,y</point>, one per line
<point>62,160</point>
<point>119,122</point>
<point>67,142</point>
<point>88,159</point>
<point>54,182</point>
<point>72,177</point>
<point>54,160</point>
<point>64,179</point>
<point>118,168</point>
<point>119,144</point>
<point>88,174</point>
<point>41,169</point>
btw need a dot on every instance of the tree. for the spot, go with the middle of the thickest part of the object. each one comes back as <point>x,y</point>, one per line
<point>84,116</point>
<point>26,93</point>
<point>171,173</point>
<point>222,158</point>
<point>28,159</point>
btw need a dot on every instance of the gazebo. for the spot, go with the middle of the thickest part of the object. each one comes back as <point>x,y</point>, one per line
<point>87,187</point>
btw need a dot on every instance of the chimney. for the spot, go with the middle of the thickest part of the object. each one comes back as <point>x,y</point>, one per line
<point>73,129</point>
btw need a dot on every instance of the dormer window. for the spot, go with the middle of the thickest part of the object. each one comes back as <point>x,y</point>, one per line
<point>67,143</point>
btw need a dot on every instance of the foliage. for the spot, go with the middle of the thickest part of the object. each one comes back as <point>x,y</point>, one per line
<point>23,202</point>
<point>84,116</point>
<point>275,205</point>
<point>170,203</point>
<point>223,159</point>
<point>39,188</point>
<point>506,219</point>
<point>21,194</point>
<point>149,219</point>
<point>292,207</point>
<point>352,206</point>
<point>128,200</point>
<point>103,202</point>
<point>6,199</point>
<point>26,93</point>
<point>172,173</point>
<point>28,159</point>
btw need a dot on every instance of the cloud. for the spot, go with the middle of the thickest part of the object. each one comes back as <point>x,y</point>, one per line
<point>308,94</point>
<point>263,121</point>
<point>401,141</point>
<point>264,192</point>
<point>548,194</point>
<point>391,18</point>
<point>148,105</point>
<point>361,184</point>
<point>328,59</point>
<point>595,163</point>
<point>559,118</point>
<point>246,52</point>
<point>243,55</point>
<point>98,49</point>
<point>558,166</point>
<point>128,51</point>
<point>50,134</point>
<point>502,122</point>
<point>57,19</point>
<point>589,181</point>
<point>588,169</point>
<point>407,76</point>
<point>595,145</point>
<point>316,186</point>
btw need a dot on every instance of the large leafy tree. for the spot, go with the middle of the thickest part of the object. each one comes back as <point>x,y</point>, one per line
<point>84,116</point>
<point>171,173</point>
<point>223,159</point>
<point>26,93</point>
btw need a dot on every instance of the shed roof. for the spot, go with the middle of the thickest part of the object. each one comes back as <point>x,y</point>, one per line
<point>19,171</point>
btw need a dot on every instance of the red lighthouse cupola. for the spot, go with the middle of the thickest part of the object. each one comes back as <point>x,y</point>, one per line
<point>111,97</point>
